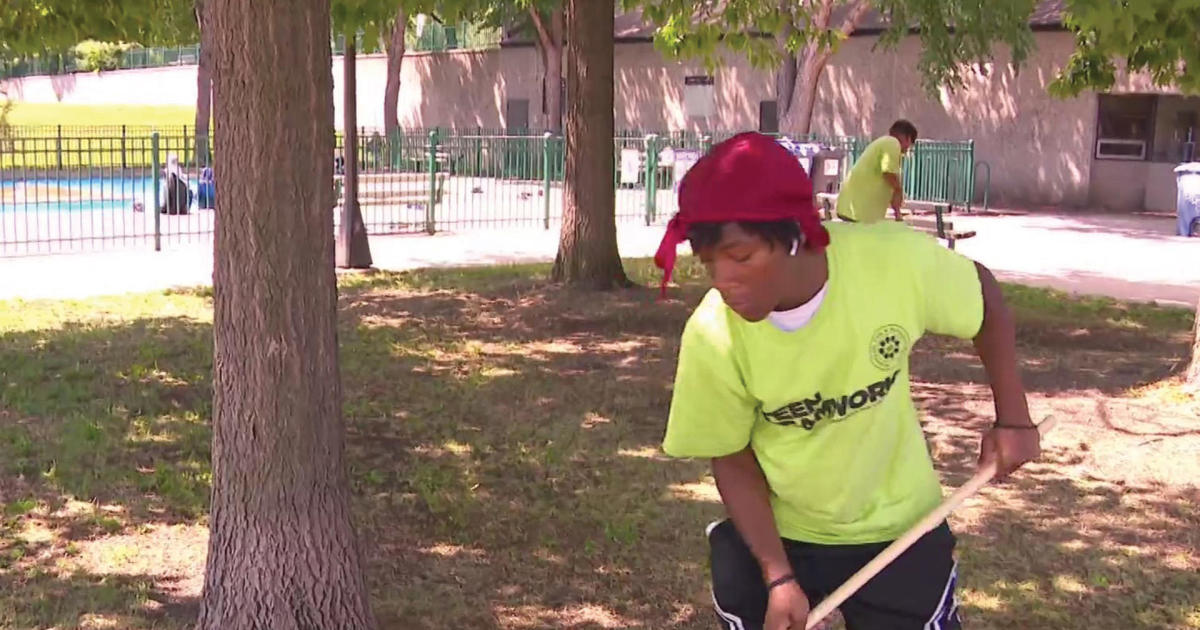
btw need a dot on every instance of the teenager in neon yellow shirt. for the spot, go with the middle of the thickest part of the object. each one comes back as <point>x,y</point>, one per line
<point>874,182</point>
<point>793,379</point>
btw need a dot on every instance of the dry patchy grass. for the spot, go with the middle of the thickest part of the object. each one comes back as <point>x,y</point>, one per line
<point>503,439</point>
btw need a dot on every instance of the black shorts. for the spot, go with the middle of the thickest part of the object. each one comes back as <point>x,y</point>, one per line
<point>914,592</point>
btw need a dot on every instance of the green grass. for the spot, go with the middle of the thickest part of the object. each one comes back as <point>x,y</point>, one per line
<point>68,115</point>
<point>1048,306</point>
<point>502,439</point>
<point>92,136</point>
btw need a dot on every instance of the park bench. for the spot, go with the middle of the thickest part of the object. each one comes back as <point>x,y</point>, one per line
<point>396,189</point>
<point>935,221</point>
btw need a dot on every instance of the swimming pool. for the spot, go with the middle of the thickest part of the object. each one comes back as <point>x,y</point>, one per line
<point>77,194</point>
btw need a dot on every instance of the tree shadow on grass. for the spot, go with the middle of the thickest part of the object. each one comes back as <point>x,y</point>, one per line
<point>503,446</point>
<point>529,491</point>
<point>1061,546</point>
<point>110,413</point>
<point>103,473</point>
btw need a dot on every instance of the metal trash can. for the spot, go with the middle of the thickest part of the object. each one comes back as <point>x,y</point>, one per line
<point>826,173</point>
<point>1187,178</point>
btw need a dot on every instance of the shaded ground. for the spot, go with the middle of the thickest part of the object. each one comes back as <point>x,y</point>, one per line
<point>503,441</point>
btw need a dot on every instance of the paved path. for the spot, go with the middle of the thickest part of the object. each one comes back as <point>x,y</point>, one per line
<point>1124,257</point>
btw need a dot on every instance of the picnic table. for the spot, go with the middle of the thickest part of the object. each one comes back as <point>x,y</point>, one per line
<point>935,221</point>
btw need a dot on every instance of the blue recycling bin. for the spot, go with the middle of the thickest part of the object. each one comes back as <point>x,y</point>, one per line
<point>1187,178</point>
<point>206,190</point>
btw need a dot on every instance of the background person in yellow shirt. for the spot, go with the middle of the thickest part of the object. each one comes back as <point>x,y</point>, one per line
<point>793,379</point>
<point>874,183</point>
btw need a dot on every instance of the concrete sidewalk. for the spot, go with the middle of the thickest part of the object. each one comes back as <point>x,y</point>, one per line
<point>1133,258</point>
<point>130,271</point>
<point>1129,257</point>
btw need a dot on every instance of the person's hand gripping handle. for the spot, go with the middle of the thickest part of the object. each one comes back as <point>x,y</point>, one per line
<point>988,469</point>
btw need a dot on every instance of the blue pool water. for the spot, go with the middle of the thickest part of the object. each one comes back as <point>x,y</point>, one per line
<point>78,194</point>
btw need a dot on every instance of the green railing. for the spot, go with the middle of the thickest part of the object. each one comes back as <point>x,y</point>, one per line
<point>434,37</point>
<point>65,62</point>
<point>68,187</point>
<point>940,172</point>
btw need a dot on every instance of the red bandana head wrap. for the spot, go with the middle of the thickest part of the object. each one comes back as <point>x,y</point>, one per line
<point>749,177</point>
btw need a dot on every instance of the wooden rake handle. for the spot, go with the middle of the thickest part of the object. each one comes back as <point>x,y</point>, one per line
<point>893,551</point>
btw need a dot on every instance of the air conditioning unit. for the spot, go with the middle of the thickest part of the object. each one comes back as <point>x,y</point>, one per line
<point>1113,149</point>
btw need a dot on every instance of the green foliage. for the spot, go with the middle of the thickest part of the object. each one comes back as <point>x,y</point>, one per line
<point>512,14</point>
<point>6,129</point>
<point>31,26</point>
<point>959,32</point>
<point>1158,37</point>
<point>374,18</point>
<point>94,56</point>
<point>953,33</point>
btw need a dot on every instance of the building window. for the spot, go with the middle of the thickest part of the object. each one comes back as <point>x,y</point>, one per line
<point>1126,127</point>
<point>768,116</point>
<point>1176,128</point>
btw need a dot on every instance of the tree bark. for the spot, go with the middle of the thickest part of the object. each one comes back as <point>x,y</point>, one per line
<point>203,87</point>
<point>1193,375</point>
<point>353,249</point>
<point>812,61</point>
<point>550,45</point>
<point>804,100</point>
<point>395,63</point>
<point>785,76</point>
<point>587,247</point>
<point>282,550</point>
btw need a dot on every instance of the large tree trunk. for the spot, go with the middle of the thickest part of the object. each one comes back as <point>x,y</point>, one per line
<point>203,87</point>
<point>1193,375</point>
<point>353,249</point>
<point>550,45</point>
<point>282,551</point>
<point>391,86</point>
<point>587,247</point>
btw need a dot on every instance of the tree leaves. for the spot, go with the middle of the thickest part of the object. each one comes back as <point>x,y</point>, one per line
<point>953,33</point>
<point>33,26</point>
<point>1158,37</point>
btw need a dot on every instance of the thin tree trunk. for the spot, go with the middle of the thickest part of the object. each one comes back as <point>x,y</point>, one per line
<point>785,76</point>
<point>203,87</point>
<point>550,46</point>
<point>395,63</point>
<point>554,68</point>
<point>785,85</point>
<point>1193,375</point>
<point>812,61</point>
<point>587,248</point>
<point>282,551</point>
<point>353,249</point>
<point>804,100</point>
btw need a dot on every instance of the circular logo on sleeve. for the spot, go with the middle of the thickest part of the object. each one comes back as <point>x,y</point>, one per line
<point>889,346</point>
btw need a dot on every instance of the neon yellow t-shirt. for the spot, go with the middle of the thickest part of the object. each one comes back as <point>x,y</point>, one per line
<point>865,195</point>
<point>827,408</point>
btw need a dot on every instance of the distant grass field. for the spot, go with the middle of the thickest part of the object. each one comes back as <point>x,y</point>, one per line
<point>36,114</point>
<point>92,136</point>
